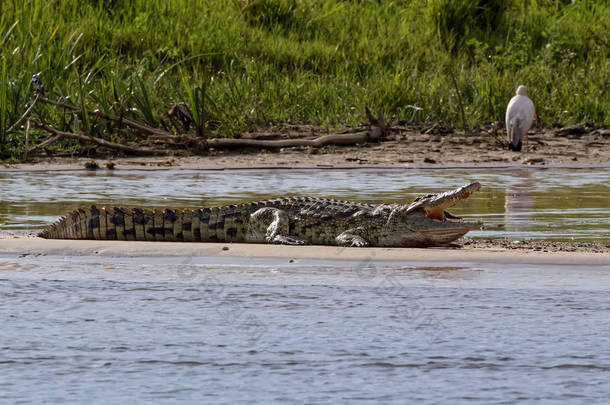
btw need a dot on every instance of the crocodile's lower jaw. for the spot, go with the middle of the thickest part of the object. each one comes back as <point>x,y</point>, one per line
<point>441,236</point>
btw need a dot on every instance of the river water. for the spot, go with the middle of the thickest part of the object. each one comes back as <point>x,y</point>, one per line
<point>230,330</point>
<point>558,204</point>
<point>119,330</point>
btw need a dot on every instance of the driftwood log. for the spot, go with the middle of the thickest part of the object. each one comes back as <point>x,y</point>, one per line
<point>368,135</point>
<point>378,129</point>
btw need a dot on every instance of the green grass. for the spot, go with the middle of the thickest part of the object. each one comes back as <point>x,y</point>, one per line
<point>256,62</point>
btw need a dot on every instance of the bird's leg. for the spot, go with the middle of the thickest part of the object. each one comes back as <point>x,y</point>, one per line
<point>527,145</point>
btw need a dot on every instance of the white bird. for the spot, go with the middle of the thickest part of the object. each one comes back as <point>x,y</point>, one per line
<point>519,116</point>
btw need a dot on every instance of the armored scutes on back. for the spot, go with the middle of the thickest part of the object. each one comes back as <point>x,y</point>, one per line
<point>289,220</point>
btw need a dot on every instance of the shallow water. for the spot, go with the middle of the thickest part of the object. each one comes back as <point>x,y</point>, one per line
<point>557,204</point>
<point>242,330</point>
<point>108,330</point>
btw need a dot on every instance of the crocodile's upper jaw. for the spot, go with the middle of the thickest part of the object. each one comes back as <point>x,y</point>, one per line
<point>445,219</point>
<point>432,224</point>
<point>436,205</point>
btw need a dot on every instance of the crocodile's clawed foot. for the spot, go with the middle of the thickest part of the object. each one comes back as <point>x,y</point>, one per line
<point>351,240</point>
<point>288,240</point>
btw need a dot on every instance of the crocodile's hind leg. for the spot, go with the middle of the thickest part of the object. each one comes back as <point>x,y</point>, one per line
<point>271,225</point>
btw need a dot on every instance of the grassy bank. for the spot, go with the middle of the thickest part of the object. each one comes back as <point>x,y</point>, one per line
<point>303,61</point>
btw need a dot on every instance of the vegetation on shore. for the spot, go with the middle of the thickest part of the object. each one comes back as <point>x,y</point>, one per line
<point>247,63</point>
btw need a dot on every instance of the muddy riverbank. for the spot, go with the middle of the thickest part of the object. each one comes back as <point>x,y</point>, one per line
<point>434,147</point>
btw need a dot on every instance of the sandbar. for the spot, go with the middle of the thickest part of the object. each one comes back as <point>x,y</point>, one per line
<point>469,252</point>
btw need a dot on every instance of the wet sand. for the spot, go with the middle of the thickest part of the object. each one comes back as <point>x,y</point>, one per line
<point>466,251</point>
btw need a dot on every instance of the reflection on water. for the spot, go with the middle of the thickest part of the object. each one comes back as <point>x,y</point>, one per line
<point>557,204</point>
<point>518,202</point>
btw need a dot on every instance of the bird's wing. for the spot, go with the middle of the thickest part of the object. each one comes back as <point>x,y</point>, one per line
<point>519,117</point>
<point>510,118</point>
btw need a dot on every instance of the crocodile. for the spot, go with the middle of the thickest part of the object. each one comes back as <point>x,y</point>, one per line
<point>288,220</point>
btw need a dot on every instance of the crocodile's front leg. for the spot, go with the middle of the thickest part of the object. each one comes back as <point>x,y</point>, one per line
<point>273,223</point>
<point>351,237</point>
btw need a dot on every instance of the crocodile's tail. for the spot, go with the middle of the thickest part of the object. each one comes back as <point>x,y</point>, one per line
<point>119,223</point>
<point>76,225</point>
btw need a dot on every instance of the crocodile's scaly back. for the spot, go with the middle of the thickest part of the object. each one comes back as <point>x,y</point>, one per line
<point>316,217</point>
<point>290,220</point>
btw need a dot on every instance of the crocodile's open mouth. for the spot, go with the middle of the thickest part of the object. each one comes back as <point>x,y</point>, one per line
<point>435,206</point>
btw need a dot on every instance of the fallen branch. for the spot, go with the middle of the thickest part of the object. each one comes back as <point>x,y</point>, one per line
<point>83,138</point>
<point>369,135</point>
<point>25,114</point>
<point>46,143</point>
<point>378,129</point>
<point>351,138</point>
<point>140,126</point>
<point>379,122</point>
